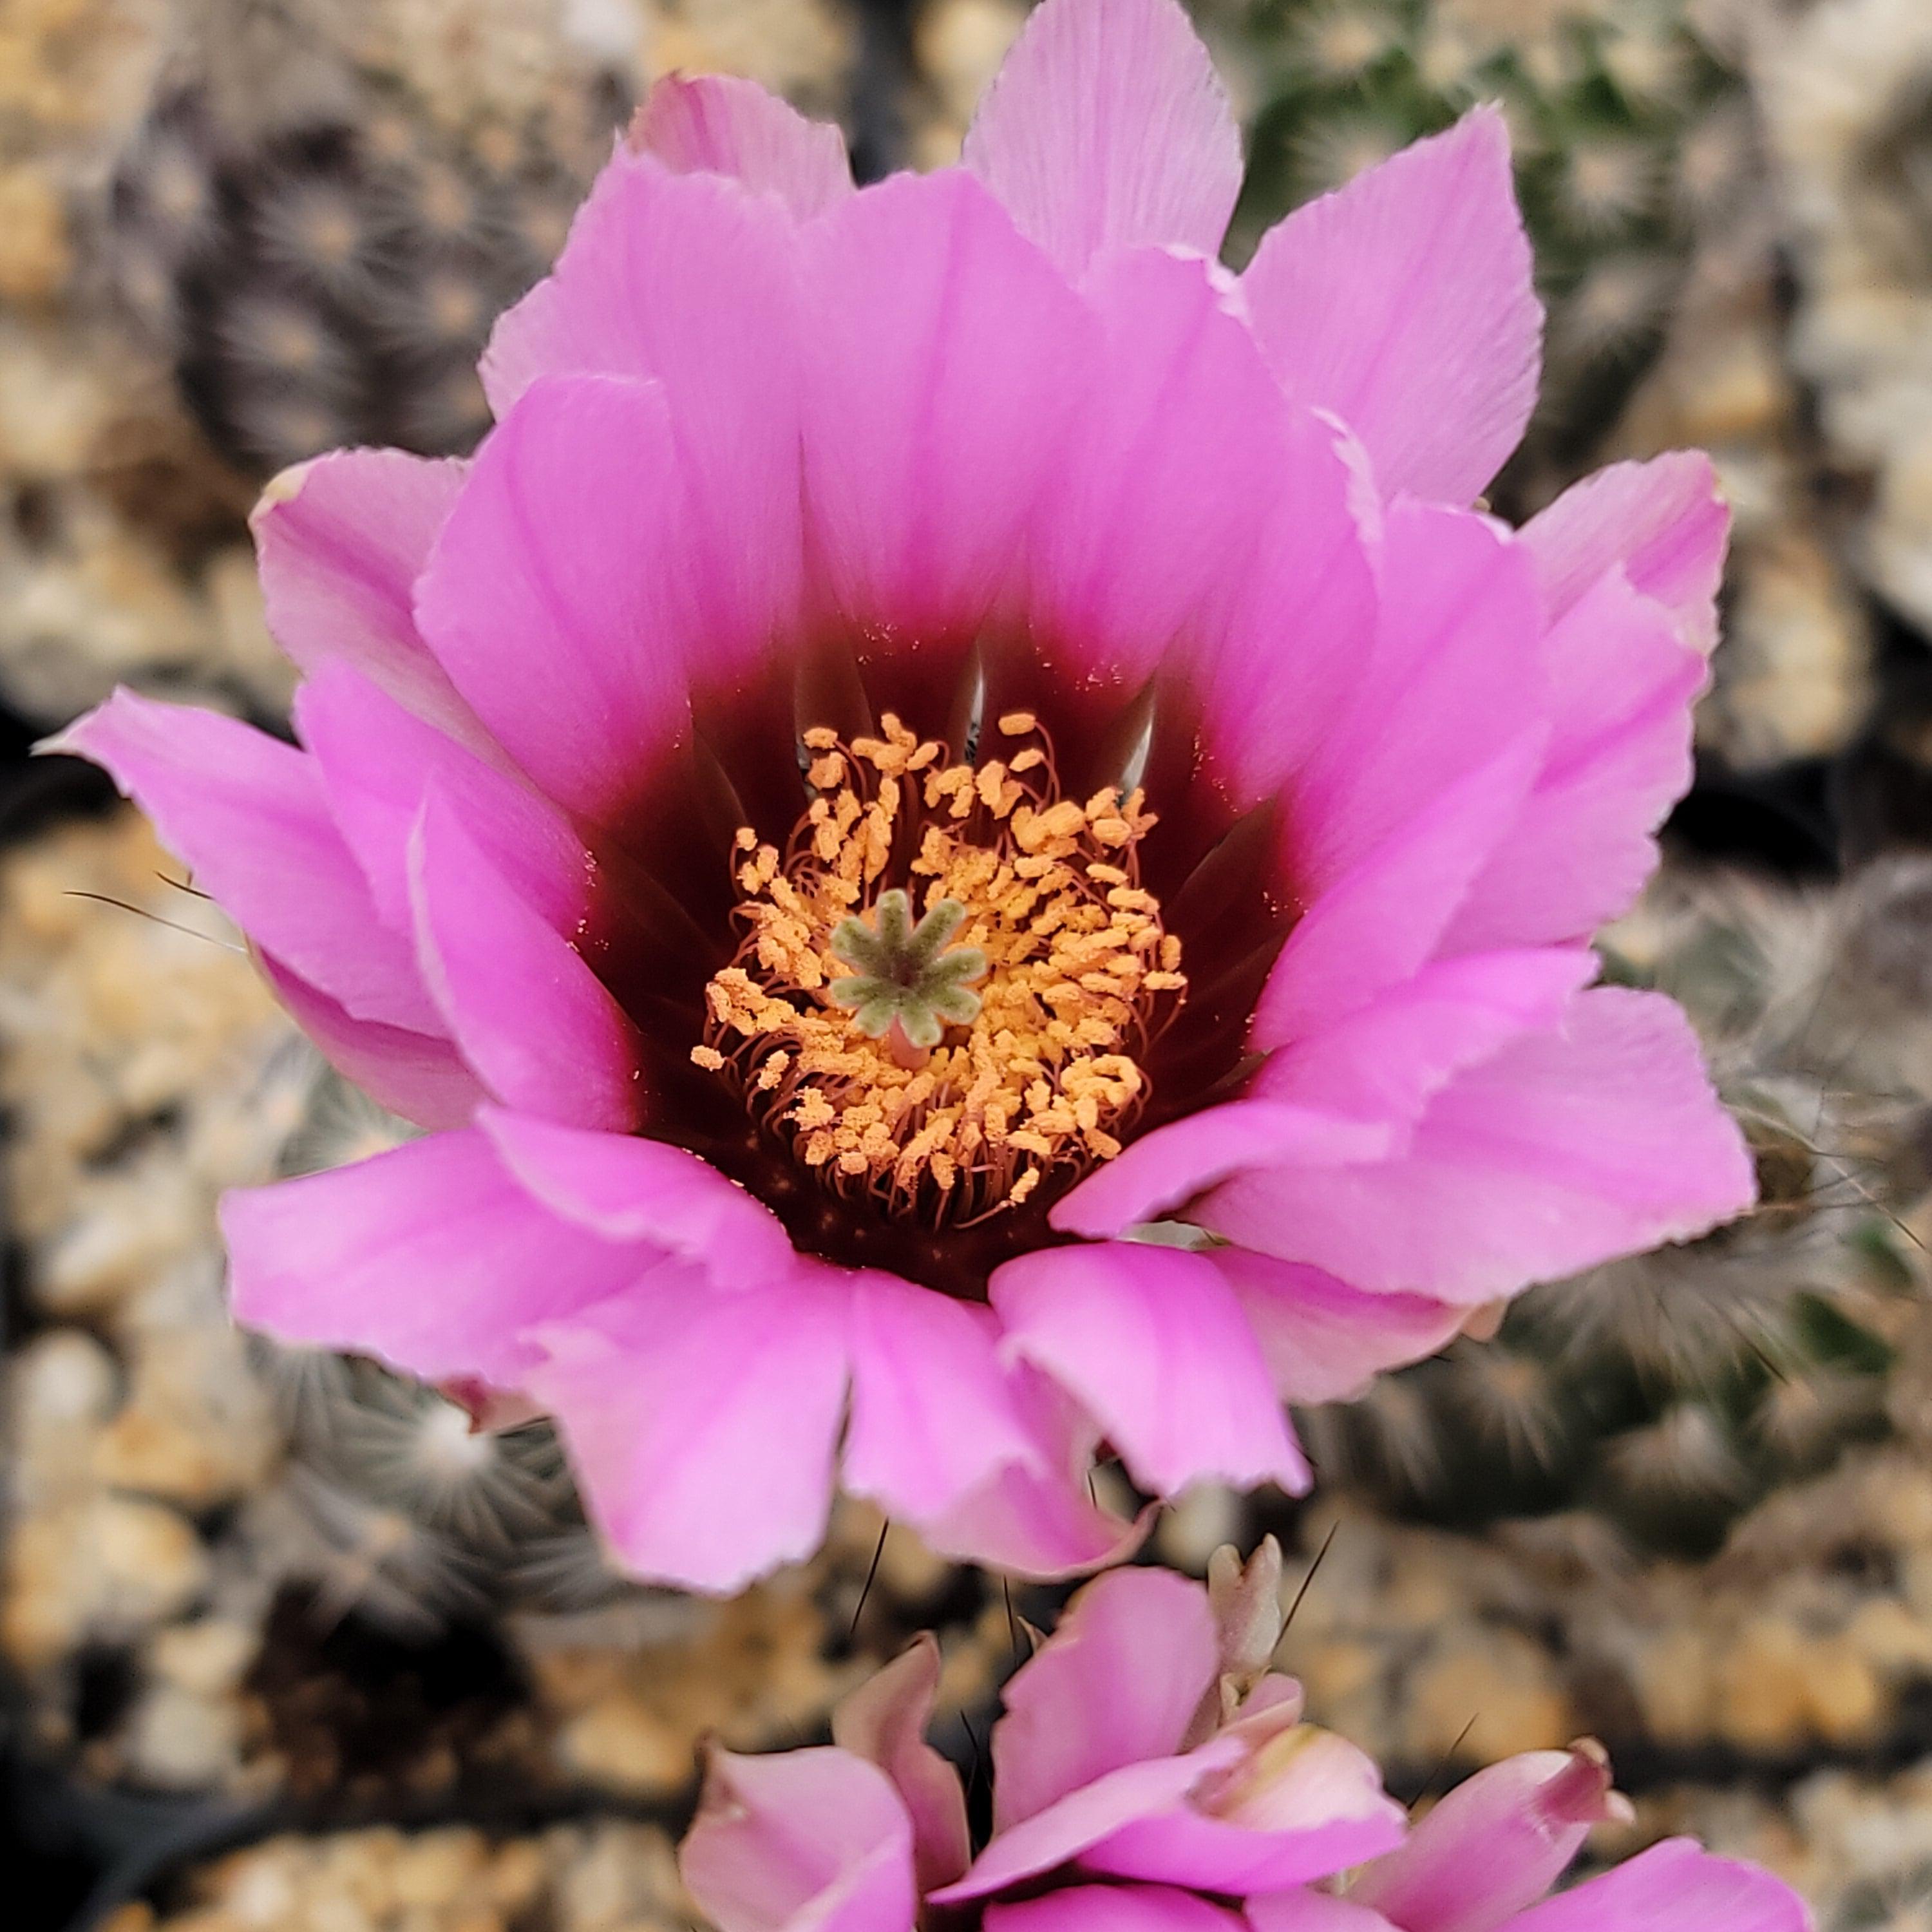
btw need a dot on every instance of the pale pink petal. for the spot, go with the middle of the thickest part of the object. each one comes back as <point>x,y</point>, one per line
<point>717,124</point>
<point>1112,1908</point>
<point>688,281</point>
<point>1302,1911</point>
<point>1117,1682</point>
<point>1664,522</point>
<point>884,1721</point>
<point>1567,1148</point>
<point>625,1188</point>
<point>421,1076</point>
<point>1321,1810</point>
<point>945,358</point>
<point>1182,445</point>
<point>1059,1834</point>
<point>1153,1343</point>
<point>801,1841</point>
<point>340,541</point>
<point>934,1415</point>
<point>1324,1341</point>
<point>248,814</point>
<point>1676,1886</point>
<point>702,1422</point>
<point>1167,1168</point>
<point>1377,925</point>
<point>1495,1844</point>
<point>1387,1061</point>
<point>1107,127</point>
<point>1404,303</point>
<point>1619,757</point>
<point>377,759</point>
<point>530,1016</point>
<point>1456,675</point>
<point>430,1256</point>
<point>548,597</point>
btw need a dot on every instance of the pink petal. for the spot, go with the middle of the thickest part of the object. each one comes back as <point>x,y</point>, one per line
<point>1046,1527</point>
<point>1112,1908</point>
<point>1564,1149</point>
<point>1167,1168</point>
<point>1387,1061</point>
<point>1456,675</point>
<point>530,1016</point>
<point>717,124</point>
<point>1664,522</point>
<point>1302,619</point>
<point>1060,1834</point>
<point>1674,1887</point>
<point>804,1839</point>
<point>624,1188</point>
<point>688,281</point>
<point>1320,1811</point>
<point>1381,921</point>
<point>1495,1844</point>
<point>1182,445</point>
<point>1153,1343</point>
<point>248,814</point>
<point>945,357</point>
<point>703,1423</point>
<point>421,1076</point>
<point>1107,127</point>
<point>1404,303</point>
<point>1324,1341</point>
<point>1117,1682</point>
<point>547,598</point>
<point>934,1414</point>
<point>884,1721</point>
<point>1619,757</point>
<point>340,542</point>
<point>430,1256</point>
<point>1300,1911</point>
<point>377,759</point>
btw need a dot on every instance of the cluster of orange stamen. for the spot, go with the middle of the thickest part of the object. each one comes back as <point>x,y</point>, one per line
<point>1047,1075</point>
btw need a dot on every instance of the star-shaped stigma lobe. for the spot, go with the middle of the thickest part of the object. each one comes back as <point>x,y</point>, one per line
<point>904,973</point>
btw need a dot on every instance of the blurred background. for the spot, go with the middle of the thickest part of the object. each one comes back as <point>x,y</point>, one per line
<point>283,1645</point>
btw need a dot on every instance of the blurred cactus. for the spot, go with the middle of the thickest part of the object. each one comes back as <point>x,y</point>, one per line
<point>1668,1395</point>
<point>394,1503</point>
<point>320,244</point>
<point>1626,133</point>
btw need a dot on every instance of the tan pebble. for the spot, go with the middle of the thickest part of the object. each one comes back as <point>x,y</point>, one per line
<point>209,1656</point>
<point>1762,1701</point>
<point>437,1868</point>
<point>1842,1692</point>
<point>517,1876</point>
<point>181,1740</point>
<point>1674,1686</point>
<point>35,257</point>
<point>1502,1682</point>
<point>618,1743</point>
<point>1885,1631</point>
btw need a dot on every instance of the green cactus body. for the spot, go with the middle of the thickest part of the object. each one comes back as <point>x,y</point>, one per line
<point>1623,130</point>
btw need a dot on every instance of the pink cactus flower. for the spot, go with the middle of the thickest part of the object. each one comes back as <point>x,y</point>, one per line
<point>1151,1775</point>
<point>939,732</point>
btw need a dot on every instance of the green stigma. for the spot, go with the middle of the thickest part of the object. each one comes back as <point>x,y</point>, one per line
<point>904,972</point>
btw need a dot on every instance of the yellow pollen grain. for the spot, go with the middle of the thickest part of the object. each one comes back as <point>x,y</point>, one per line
<point>1047,1077</point>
